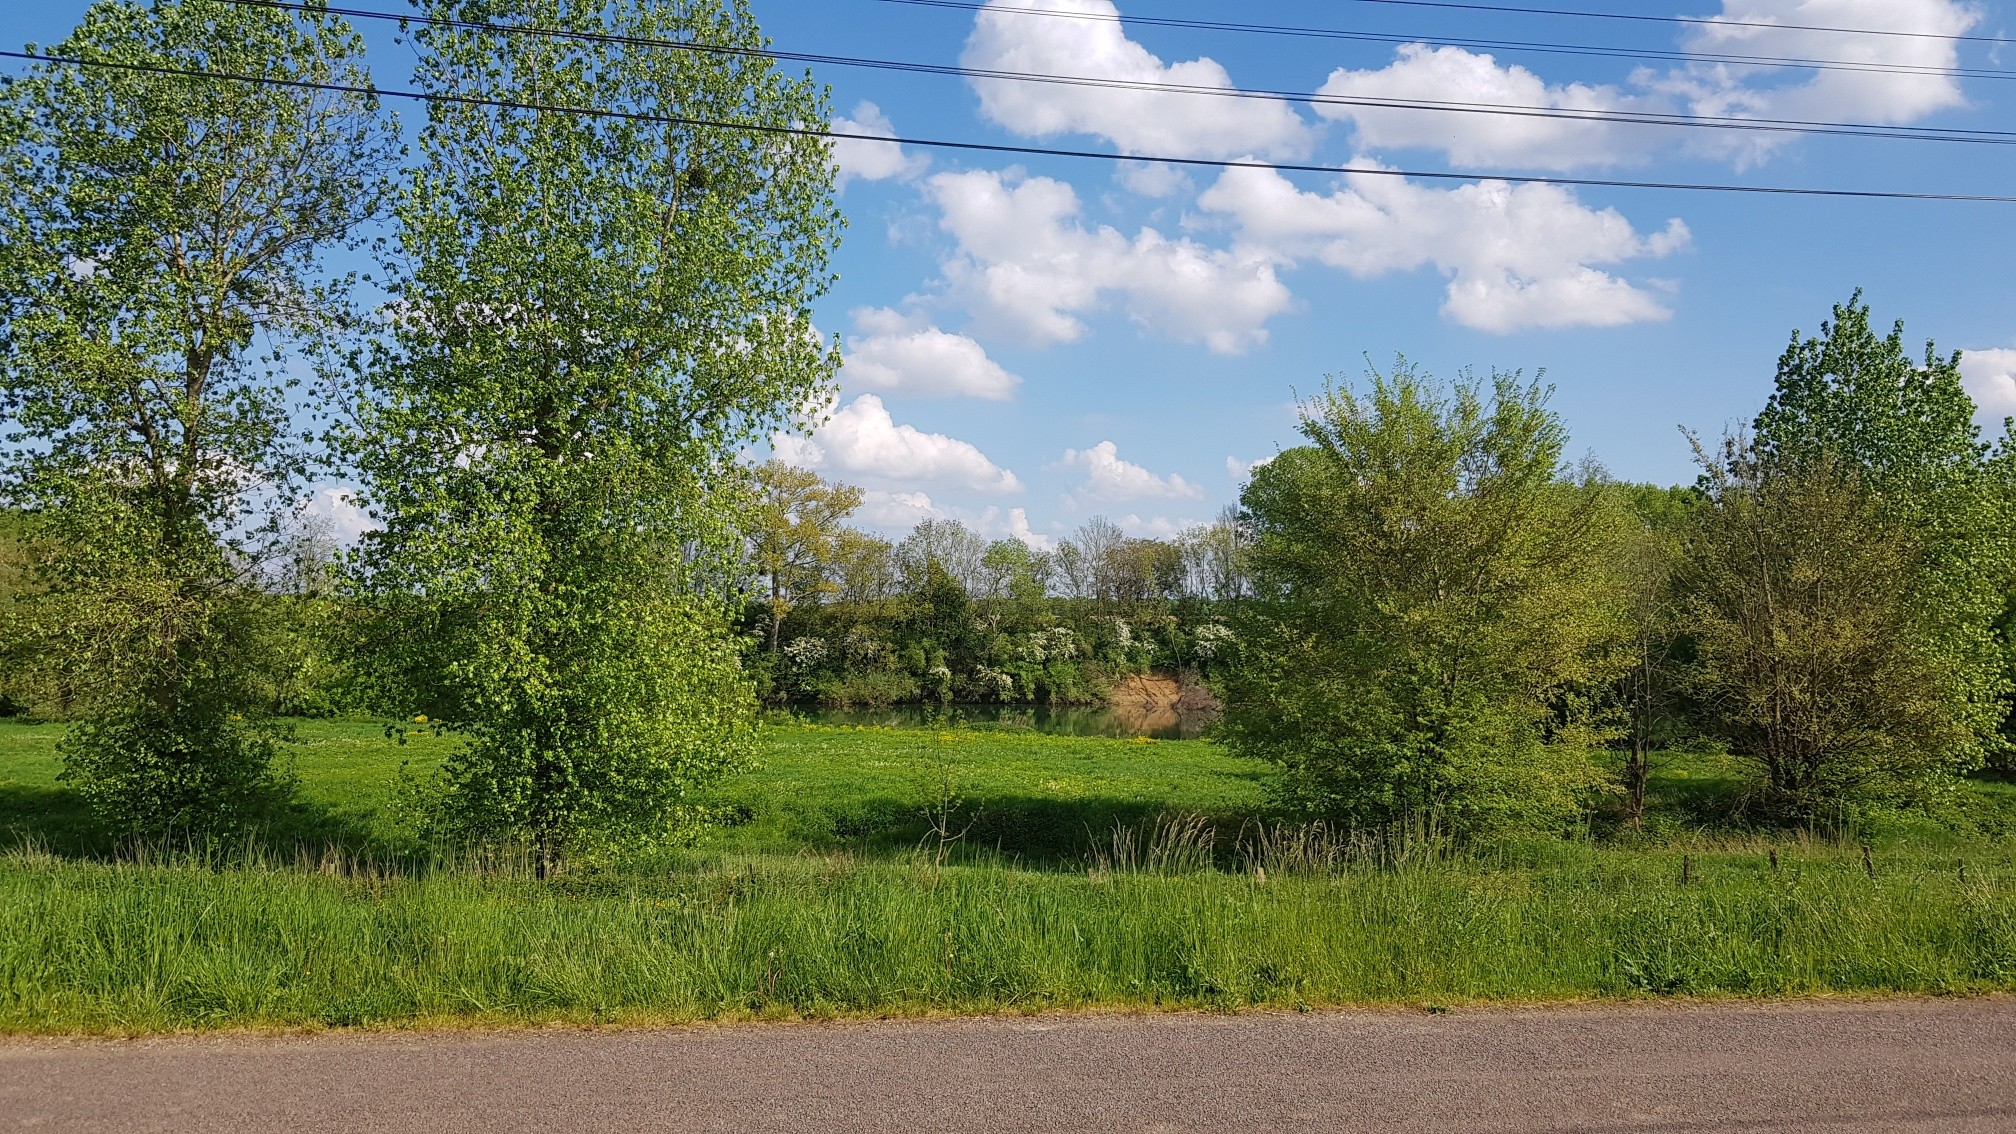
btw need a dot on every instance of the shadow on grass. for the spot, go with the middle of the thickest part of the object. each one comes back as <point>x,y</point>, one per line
<point>56,820</point>
<point>53,819</point>
<point>1034,831</point>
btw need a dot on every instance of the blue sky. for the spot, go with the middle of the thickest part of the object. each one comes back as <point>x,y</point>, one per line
<point>1036,340</point>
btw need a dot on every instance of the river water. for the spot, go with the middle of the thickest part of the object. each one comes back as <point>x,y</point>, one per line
<point>1161,723</point>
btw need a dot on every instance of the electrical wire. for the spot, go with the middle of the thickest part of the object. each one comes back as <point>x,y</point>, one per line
<point>1695,21</point>
<point>1640,118</point>
<point>1001,148</point>
<point>1657,54</point>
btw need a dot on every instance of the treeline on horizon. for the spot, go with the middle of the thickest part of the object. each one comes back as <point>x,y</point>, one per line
<point>1422,617</point>
<point>1424,609</point>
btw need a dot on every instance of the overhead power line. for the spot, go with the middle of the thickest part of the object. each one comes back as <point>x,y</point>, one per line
<point>1653,54</point>
<point>1627,117</point>
<point>1545,48</point>
<point>1000,148</point>
<point>1696,21</point>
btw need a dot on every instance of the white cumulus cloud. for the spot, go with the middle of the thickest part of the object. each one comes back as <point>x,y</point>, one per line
<point>795,450</point>
<point>1109,477</point>
<point>1990,378</point>
<point>337,509</point>
<point>1152,178</point>
<point>1516,256</point>
<point>1026,265</point>
<point>1482,140</point>
<point>1917,80</point>
<point>1835,94</point>
<point>1091,43</point>
<point>895,353</point>
<point>872,161</point>
<point>1153,527</point>
<point>1018,528</point>
<point>896,511</point>
<point>862,440</point>
<point>1240,470</point>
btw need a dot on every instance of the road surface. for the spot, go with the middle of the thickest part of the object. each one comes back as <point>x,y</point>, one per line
<point>1925,1065</point>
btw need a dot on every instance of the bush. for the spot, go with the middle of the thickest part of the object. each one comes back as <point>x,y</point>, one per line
<point>1811,662</point>
<point>874,689</point>
<point>202,773</point>
<point>1436,602</point>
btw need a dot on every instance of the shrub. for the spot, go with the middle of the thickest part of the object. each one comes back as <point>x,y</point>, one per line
<point>202,773</point>
<point>1435,596</point>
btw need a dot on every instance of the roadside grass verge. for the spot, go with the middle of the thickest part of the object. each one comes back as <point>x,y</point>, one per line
<point>130,948</point>
<point>1064,873</point>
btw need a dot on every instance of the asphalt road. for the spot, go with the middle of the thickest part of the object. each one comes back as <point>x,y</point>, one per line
<point>1947,1066</point>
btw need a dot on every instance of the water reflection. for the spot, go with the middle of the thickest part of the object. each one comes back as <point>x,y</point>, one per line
<point>1162,722</point>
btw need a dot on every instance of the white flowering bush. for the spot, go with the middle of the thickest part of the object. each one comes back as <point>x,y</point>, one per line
<point>804,655</point>
<point>1211,640</point>
<point>938,682</point>
<point>1057,643</point>
<point>863,648</point>
<point>1060,643</point>
<point>995,683</point>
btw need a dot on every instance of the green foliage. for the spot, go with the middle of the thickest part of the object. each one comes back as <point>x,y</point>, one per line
<point>600,738</point>
<point>852,619</point>
<point>1655,712</point>
<point>157,229</point>
<point>16,583</point>
<point>1436,603</point>
<point>1048,651</point>
<point>151,776</point>
<point>594,314</point>
<point>1905,430</point>
<point>870,689</point>
<point>1811,661</point>
<point>794,533</point>
<point>1012,570</point>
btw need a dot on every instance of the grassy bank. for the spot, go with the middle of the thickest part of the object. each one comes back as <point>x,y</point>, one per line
<point>822,901</point>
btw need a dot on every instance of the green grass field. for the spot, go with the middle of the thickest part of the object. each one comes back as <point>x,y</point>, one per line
<point>831,896</point>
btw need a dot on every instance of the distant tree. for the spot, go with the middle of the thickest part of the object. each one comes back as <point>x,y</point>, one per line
<point>1012,569</point>
<point>301,622</point>
<point>1214,557</point>
<point>1436,600</point>
<point>1903,430</point>
<point>1811,662</point>
<point>940,625</point>
<point>794,535</point>
<point>161,251</point>
<point>1098,541</point>
<point>593,315</point>
<point>1141,570</point>
<point>863,568</point>
<point>2004,760</point>
<point>950,545</point>
<point>1648,691</point>
<point>1075,573</point>
<point>16,582</point>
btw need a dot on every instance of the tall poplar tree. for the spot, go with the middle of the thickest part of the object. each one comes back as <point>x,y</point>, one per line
<point>596,308</point>
<point>162,244</point>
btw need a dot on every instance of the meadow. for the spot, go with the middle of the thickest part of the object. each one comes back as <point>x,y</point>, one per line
<point>914,871</point>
